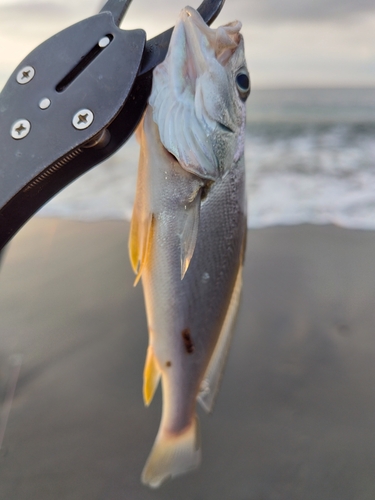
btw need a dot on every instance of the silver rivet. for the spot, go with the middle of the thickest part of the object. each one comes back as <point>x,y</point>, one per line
<point>83,119</point>
<point>20,129</point>
<point>45,103</point>
<point>25,75</point>
<point>103,42</point>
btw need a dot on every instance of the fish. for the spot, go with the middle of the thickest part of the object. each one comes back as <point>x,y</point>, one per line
<point>188,229</point>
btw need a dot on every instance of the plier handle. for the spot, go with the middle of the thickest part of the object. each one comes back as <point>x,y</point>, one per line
<point>70,104</point>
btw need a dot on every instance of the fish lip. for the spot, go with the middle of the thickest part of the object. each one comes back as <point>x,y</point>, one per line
<point>190,12</point>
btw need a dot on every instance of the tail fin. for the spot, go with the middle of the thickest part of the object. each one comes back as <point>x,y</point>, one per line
<point>172,455</point>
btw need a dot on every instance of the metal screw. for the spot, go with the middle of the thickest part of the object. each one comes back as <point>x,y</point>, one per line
<point>20,129</point>
<point>45,103</point>
<point>103,42</point>
<point>83,119</point>
<point>25,75</point>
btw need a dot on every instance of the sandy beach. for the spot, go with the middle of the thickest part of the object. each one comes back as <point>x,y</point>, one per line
<point>294,418</point>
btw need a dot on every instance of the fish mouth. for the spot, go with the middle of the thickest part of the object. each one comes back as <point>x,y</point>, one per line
<point>202,41</point>
<point>197,34</point>
<point>189,12</point>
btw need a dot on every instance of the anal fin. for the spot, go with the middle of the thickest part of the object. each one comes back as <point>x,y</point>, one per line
<point>151,376</point>
<point>212,378</point>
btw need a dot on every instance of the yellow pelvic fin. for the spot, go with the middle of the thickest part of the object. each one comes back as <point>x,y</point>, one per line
<point>140,244</point>
<point>134,245</point>
<point>151,376</point>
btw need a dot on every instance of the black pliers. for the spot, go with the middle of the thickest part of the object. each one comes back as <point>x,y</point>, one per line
<point>70,104</point>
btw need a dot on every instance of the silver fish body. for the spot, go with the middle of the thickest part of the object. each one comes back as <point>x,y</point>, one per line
<point>188,229</point>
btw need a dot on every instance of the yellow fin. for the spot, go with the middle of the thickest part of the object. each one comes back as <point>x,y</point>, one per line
<point>140,217</point>
<point>134,245</point>
<point>214,372</point>
<point>142,223</point>
<point>151,376</point>
<point>145,248</point>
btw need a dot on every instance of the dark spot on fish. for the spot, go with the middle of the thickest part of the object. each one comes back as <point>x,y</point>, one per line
<point>188,343</point>
<point>168,364</point>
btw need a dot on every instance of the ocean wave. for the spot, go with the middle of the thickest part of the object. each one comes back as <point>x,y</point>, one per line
<point>318,174</point>
<point>296,173</point>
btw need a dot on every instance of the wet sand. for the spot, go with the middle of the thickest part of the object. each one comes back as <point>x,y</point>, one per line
<point>294,419</point>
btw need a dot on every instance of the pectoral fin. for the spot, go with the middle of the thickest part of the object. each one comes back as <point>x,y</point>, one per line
<point>151,376</point>
<point>214,372</point>
<point>189,233</point>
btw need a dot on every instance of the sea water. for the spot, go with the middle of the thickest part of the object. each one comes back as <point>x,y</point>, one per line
<point>310,157</point>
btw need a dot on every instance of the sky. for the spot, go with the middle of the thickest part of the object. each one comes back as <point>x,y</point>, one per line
<point>289,43</point>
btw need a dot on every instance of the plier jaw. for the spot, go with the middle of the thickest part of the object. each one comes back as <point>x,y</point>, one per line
<point>70,104</point>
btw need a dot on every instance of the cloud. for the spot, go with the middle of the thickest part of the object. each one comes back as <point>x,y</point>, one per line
<point>302,10</point>
<point>288,42</point>
<point>40,9</point>
<point>35,20</point>
<point>46,11</point>
<point>256,10</point>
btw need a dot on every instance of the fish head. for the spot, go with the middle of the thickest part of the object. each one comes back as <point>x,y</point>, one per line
<point>199,96</point>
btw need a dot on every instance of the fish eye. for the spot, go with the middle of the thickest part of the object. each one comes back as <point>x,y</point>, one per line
<point>243,84</point>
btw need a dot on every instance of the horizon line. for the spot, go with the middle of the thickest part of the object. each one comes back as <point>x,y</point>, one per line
<point>313,87</point>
